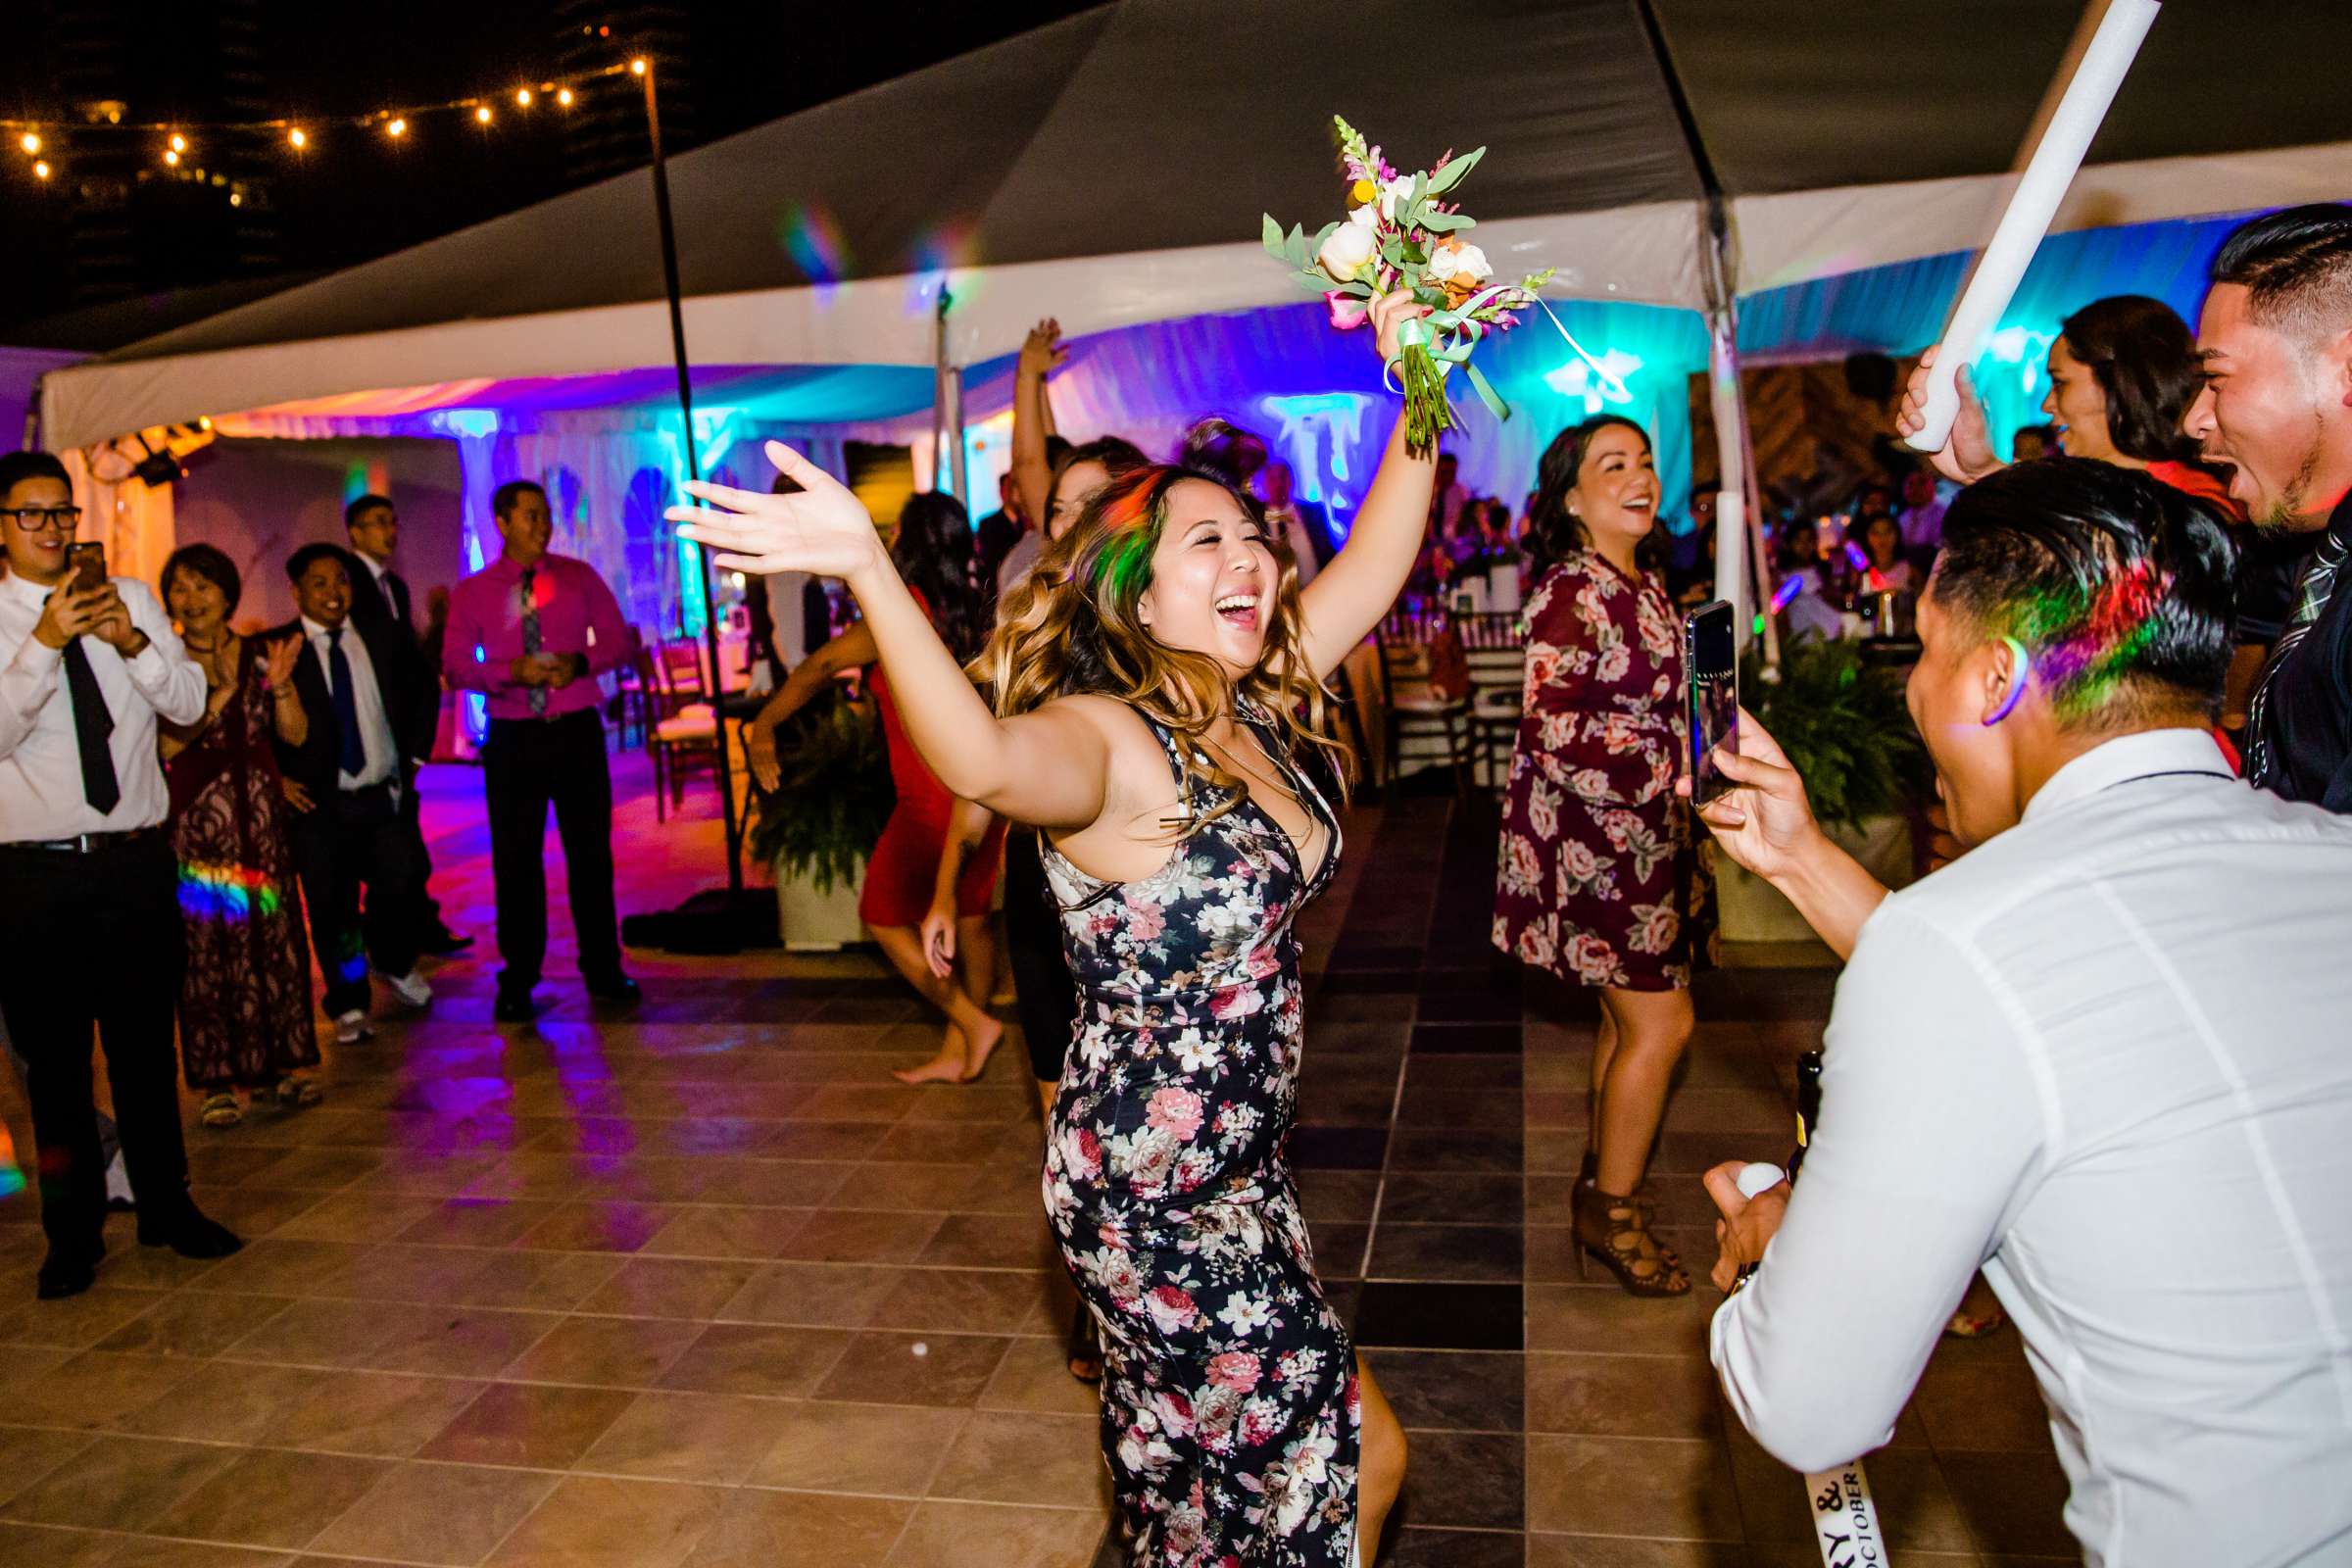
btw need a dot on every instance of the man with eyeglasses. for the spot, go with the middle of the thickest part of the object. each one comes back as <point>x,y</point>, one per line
<point>89,923</point>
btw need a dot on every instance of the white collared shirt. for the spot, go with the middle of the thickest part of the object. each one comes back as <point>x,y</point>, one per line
<point>42,794</point>
<point>2108,1056</point>
<point>376,729</point>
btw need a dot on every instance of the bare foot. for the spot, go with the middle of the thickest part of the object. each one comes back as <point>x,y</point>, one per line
<point>982,1046</point>
<point>945,1069</point>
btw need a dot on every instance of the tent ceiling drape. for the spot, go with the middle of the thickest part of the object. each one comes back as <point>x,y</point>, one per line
<point>1110,169</point>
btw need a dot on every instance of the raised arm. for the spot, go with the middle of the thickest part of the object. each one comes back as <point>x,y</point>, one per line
<point>854,649</point>
<point>1049,768</point>
<point>1033,418</point>
<point>1350,596</point>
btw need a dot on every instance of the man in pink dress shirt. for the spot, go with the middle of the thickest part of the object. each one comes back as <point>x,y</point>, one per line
<point>533,632</point>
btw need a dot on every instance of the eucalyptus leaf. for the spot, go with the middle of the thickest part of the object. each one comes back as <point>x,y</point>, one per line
<point>1445,179</point>
<point>1273,237</point>
<point>1448,223</point>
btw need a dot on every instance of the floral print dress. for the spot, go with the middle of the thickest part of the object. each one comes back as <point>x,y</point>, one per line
<point>1597,878</point>
<point>1230,1414</point>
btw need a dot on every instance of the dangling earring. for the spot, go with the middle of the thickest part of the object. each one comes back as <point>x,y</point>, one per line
<point>2020,667</point>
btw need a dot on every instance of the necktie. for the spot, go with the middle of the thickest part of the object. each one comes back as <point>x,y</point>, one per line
<point>400,600</point>
<point>2311,596</point>
<point>93,724</point>
<point>530,635</point>
<point>354,756</point>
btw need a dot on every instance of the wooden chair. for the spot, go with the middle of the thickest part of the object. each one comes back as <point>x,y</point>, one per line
<point>635,694</point>
<point>685,735</point>
<point>1494,643</point>
<point>1414,710</point>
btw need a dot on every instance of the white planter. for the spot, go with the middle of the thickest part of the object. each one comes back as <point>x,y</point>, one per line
<point>811,921</point>
<point>1750,909</point>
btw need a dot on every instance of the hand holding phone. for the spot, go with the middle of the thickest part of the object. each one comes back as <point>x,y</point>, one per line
<point>1711,670</point>
<point>88,563</point>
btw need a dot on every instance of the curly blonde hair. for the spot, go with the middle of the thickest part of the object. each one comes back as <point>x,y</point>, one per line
<point>1072,627</point>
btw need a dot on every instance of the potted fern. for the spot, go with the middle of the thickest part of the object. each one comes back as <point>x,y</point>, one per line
<point>1849,734</point>
<point>819,824</point>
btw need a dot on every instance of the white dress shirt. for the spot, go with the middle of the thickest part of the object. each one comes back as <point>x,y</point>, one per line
<point>40,762</point>
<point>375,728</point>
<point>2108,1056</point>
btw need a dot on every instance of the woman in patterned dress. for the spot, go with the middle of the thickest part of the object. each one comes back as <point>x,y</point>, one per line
<point>245,1000</point>
<point>1158,681</point>
<point>1598,880</point>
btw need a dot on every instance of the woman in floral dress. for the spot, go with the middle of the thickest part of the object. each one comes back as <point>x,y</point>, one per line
<point>1158,681</point>
<point>1597,878</point>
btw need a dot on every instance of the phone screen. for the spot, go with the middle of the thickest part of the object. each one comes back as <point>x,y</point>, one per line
<point>90,566</point>
<point>1711,659</point>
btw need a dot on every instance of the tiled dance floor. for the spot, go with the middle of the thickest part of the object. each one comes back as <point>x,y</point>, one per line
<point>702,1287</point>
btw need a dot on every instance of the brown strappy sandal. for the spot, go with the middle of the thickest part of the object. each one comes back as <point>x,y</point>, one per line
<point>1615,1233</point>
<point>1587,1174</point>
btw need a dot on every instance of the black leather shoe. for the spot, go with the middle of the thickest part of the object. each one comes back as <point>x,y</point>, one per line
<point>65,1274</point>
<point>191,1235</point>
<point>514,1006</point>
<point>617,989</point>
<point>443,942</point>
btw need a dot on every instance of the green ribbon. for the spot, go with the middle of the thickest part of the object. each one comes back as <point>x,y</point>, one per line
<point>1448,336</point>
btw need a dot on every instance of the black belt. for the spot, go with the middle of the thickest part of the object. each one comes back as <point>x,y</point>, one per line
<point>89,843</point>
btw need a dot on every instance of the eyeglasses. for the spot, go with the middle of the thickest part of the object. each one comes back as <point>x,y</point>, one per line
<point>33,519</point>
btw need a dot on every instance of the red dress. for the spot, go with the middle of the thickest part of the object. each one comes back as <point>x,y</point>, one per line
<point>1598,879</point>
<point>905,866</point>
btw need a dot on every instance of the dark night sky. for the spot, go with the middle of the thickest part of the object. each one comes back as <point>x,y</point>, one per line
<point>355,197</point>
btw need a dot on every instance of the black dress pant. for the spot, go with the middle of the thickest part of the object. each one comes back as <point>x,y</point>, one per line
<point>528,766</point>
<point>93,941</point>
<point>353,841</point>
<point>427,912</point>
<point>1041,973</point>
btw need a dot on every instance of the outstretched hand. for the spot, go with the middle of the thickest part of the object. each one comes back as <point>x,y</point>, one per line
<point>823,530</point>
<point>1967,455</point>
<point>279,659</point>
<point>1043,351</point>
<point>1765,821</point>
<point>1389,313</point>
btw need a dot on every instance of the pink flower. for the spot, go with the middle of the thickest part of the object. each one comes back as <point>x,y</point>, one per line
<point>1170,1307</point>
<point>1593,959</point>
<point>1234,1369</point>
<point>1579,860</point>
<point>1146,920</point>
<point>1348,313</point>
<point>1236,1001</point>
<point>1176,1110</point>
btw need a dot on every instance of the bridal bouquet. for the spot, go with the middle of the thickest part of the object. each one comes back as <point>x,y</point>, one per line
<point>1400,234</point>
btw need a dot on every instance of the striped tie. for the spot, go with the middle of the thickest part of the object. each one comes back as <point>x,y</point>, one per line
<point>2311,596</point>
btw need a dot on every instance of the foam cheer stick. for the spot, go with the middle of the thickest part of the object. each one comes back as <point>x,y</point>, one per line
<point>2048,172</point>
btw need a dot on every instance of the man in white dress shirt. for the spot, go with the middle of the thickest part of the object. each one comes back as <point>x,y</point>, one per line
<point>2107,1055</point>
<point>369,720</point>
<point>89,907</point>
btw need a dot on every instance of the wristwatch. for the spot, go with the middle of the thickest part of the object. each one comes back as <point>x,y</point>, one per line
<point>1747,1271</point>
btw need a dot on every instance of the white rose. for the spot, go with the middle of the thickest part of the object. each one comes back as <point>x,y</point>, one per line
<point>1346,253</point>
<point>1364,217</point>
<point>1451,259</point>
<point>1393,193</point>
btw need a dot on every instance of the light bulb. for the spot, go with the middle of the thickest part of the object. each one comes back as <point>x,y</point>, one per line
<point>564,97</point>
<point>522,97</point>
<point>236,198</point>
<point>179,143</point>
<point>398,127</point>
<point>29,143</point>
<point>481,114</point>
<point>299,137</point>
<point>172,158</point>
<point>637,67</point>
<point>40,171</point>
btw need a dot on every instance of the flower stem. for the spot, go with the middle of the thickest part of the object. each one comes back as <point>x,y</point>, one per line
<point>1426,414</point>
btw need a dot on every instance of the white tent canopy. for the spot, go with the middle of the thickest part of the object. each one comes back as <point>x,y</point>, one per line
<point>1109,170</point>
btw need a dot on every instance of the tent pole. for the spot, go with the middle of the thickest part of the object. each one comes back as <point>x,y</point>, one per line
<point>947,410</point>
<point>693,470</point>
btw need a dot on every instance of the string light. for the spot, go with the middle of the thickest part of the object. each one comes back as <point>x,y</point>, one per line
<point>564,97</point>
<point>522,97</point>
<point>40,171</point>
<point>179,143</point>
<point>637,67</point>
<point>236,198</point>
<point>481,114</point>
<point>29,143</point>
<point>298,137</point>
<point>172,157</point>
<point>398,128</point>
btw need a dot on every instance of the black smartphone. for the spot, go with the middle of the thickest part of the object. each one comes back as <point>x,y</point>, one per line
<point>88,561</point>
<point>1711,663</point>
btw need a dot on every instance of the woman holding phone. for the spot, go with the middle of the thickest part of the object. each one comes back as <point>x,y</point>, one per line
<point>1598,879</point>
<point>1158,683</point>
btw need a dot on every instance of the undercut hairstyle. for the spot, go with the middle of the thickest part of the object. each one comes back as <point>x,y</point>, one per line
<point>301,560</point>
<point>502,499</point>
<point>210,563</point>
<point>17,466</point>
<point>2144,359</point>
<point>2122,589</point>
<point>363,504</point>
<point>1073,628</point>
<point>2296,269</point>
<point>1553,532</point>
<point>935,554</point>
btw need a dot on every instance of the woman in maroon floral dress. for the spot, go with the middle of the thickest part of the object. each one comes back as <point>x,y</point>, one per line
<point>1598,879</point>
